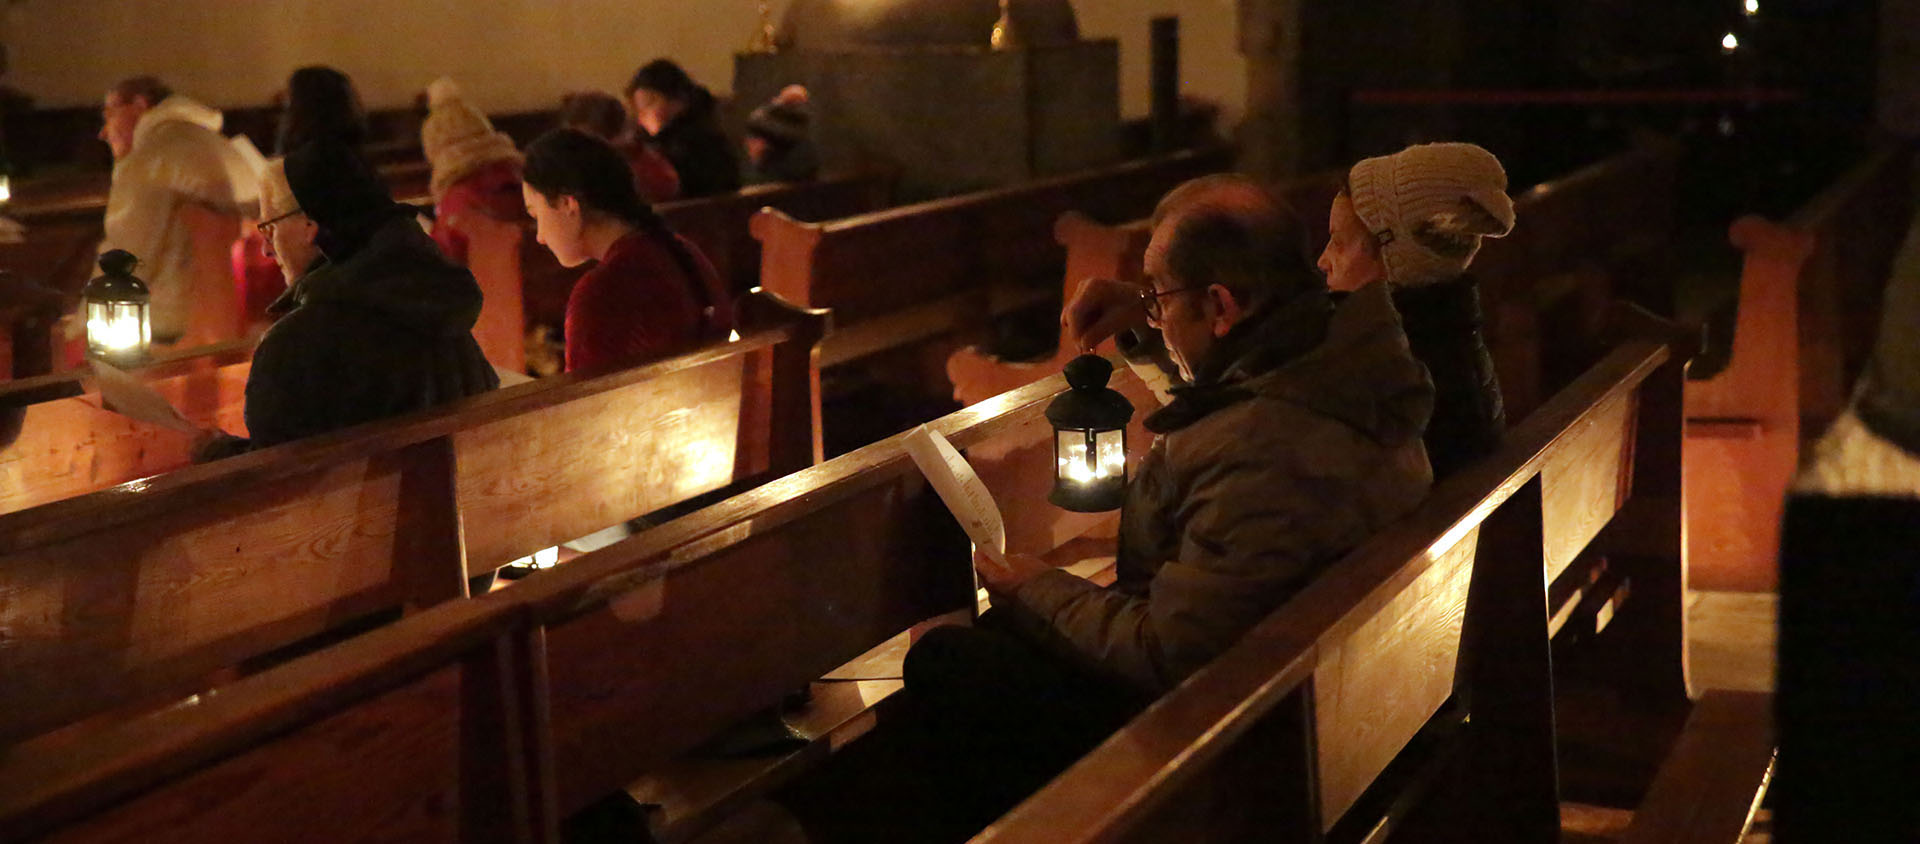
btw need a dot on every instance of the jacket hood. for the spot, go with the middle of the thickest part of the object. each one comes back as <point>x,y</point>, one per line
<point>177,109</point>
<point>1353,365</point>
<point>400,275</point>
<point>1362,374</point>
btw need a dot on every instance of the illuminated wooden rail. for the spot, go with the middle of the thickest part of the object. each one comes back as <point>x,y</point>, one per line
<point>143,590</point>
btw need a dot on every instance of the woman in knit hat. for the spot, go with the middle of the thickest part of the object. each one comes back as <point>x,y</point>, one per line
<point>779,140</point>
<point>680,120</point>
<point>602,116</point>
<point>476,170</point>
<point>651,294</point>
<point>1414,220</point>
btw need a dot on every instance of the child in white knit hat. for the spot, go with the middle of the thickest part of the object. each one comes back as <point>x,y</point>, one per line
<point>1414,220</point>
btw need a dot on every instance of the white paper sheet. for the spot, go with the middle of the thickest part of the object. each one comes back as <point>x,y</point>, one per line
<point>960,489</point>
<point>128,396</point>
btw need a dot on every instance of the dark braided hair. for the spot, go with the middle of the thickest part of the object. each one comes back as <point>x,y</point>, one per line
<point>569,162</point>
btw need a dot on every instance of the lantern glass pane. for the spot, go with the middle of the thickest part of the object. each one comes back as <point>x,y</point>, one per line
<point>1112,447</point>
<point>117,326</point>
<point>1070,453</point>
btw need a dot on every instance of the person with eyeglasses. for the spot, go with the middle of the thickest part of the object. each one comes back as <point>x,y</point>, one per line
<point>375,321</point>
<point>1291,436</point>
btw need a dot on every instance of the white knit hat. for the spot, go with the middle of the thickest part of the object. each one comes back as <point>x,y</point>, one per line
<point>458,139</point>
<point>1429,205</point>
<point>276,193</point>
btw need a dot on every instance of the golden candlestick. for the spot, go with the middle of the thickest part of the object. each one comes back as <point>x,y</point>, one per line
<point>1005,35</point>
<point>765,39</point>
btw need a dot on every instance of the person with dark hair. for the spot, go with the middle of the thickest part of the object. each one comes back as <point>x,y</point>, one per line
<point>601,115</point>
<point>1414,220</point>
<point>179,191</point>
<point>652,294</point>
<point>1294,437</point>
<point>680,120</point>
<point>780,140</point>
<point>476,170</point>
<point>375,323</point>
<point>321,103</point>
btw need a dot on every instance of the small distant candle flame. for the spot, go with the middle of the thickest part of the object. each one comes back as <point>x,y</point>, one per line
<point>1729,43</point>
<point>1753,7</point>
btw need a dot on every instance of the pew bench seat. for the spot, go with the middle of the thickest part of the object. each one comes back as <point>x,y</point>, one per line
<point>1710,787</point>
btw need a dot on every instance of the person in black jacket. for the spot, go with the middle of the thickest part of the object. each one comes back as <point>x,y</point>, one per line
<point>1416,219</point>
<point>375,323</point>
<point>679,116</point>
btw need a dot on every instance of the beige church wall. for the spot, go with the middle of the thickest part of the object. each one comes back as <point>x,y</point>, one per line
<point>507,54</point>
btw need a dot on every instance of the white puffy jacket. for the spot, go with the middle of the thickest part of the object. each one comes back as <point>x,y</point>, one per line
<point>179,159</point>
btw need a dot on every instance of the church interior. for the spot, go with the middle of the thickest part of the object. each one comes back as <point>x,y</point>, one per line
<point>959,420</point>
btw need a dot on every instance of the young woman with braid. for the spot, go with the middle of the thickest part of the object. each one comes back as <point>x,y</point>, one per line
<point>652,293</point>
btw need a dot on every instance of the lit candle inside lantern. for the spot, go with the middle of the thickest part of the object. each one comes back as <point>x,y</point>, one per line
<point>116,308</point>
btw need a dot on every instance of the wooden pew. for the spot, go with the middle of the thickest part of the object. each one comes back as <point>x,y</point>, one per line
<point>901,276</point>
<point>1807,306</point>
<point>1709,789</point>
<point>421,731</point>
<point>1115,252</point>
<point>595,673</point>
<point>140,591</point>
<point>1323,721</point>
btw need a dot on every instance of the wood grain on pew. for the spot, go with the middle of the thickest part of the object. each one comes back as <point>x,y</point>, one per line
<point>653,646</point>
<point>1283,734</point>
<point>145,588</point>
<point>1710,787</point>
<point>422,731</point>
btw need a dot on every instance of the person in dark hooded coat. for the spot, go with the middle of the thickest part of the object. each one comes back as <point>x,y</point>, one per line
<point>377,324</point>
<point>680,118</point>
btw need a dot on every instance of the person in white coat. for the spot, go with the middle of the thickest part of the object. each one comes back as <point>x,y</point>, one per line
<point>179,191</point>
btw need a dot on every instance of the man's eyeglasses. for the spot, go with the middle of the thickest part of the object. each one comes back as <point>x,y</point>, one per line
<point>266,226</point>
<point>1150,299</point>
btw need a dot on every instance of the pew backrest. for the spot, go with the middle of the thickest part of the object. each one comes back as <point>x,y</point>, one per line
<point>580,678</point>
<point>146,588</point>
<point>1806,309</point>
<point>950,252</point>
<point>417,732</point>
<point>1285,732</point>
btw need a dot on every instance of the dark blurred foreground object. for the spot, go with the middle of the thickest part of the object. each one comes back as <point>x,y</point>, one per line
<point>1849,676</point>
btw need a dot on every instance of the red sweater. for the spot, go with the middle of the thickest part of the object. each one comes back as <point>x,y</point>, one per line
<point>653,174</point>
<point>637,306</point>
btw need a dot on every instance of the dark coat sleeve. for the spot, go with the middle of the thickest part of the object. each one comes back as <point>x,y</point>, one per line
<point>1444,330</point>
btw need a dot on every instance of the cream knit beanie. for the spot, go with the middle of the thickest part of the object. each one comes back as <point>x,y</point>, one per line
<point>1429,205</point>
<point>458,139</point>
<point>276,194</point>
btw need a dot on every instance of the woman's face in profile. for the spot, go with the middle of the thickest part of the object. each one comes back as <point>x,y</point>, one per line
<point>557,225</point>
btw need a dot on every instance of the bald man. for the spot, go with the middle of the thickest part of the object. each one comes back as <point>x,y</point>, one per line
<point>1293,437</point>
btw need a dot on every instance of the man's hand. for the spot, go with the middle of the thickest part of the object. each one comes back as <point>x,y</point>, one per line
<point>1003,578</point>
<point>1100,309</point>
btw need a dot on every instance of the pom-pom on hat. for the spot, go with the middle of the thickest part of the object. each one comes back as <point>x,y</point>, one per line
<point>1429,206</point>
<point>458,139</point>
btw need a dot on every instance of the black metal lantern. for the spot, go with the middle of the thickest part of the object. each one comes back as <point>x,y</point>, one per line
<point>119,326</point>
<point>1089,439</point>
